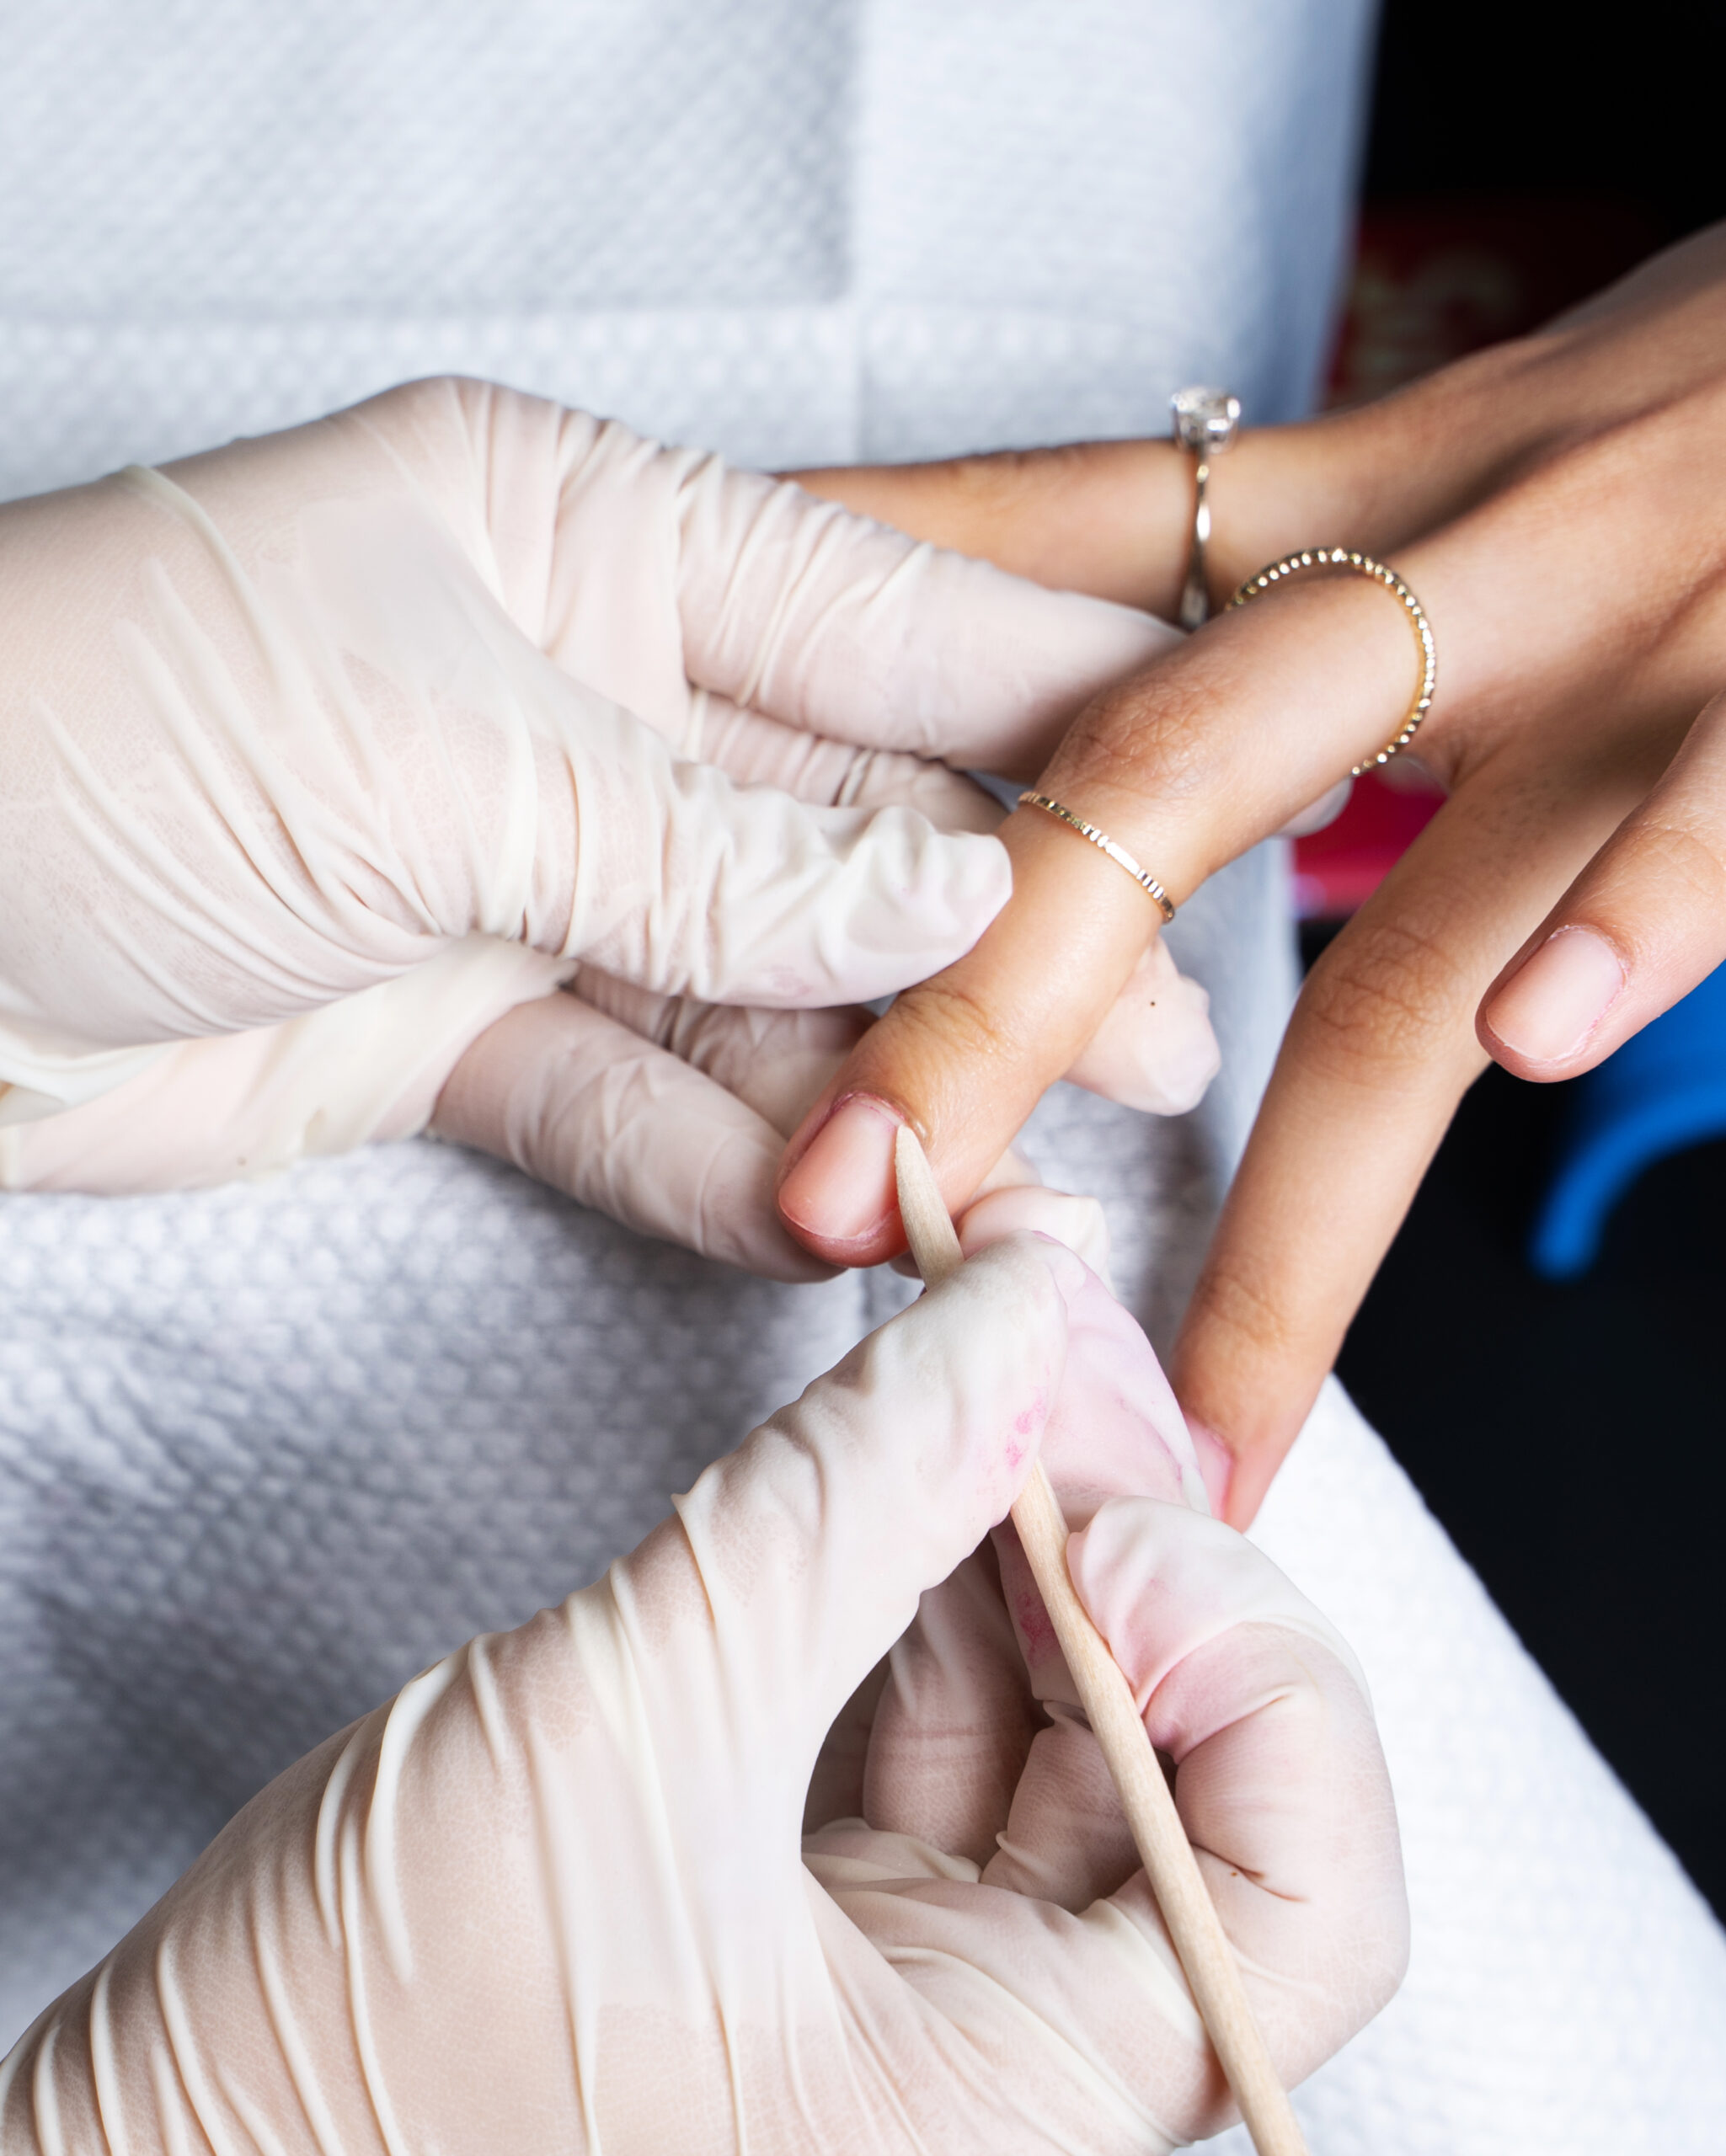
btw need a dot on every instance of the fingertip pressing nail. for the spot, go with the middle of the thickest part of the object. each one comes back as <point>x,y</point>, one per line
<point>1072,1276</point>
<point>1216,1464</point>
<point>842,1190</point>
<point>1548,1010</point>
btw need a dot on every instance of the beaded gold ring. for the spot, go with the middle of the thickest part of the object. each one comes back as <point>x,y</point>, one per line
<point>1360,564</point>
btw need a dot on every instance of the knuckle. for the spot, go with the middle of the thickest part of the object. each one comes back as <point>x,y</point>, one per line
<point>1384,999</point>
<point>1147,738</point>
<point>1240,1316</point>
<point>1682,857</point>
<point>944,1016</point>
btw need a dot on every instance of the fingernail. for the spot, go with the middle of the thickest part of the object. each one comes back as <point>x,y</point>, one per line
<point>1546,1012</point>
<point>842,1190</point>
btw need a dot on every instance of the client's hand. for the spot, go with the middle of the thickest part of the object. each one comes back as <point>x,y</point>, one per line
<point>330,758</point>
<point>607,1882</point>
<point>1555,504</point>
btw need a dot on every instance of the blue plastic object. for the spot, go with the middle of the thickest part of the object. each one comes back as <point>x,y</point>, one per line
<point>1664,1089</point>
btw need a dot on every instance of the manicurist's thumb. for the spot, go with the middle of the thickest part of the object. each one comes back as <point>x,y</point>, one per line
<point>817,1538</point>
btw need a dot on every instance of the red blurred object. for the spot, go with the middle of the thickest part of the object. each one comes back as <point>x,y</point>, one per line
<point>1433,281</point>
<point>1339,868</point>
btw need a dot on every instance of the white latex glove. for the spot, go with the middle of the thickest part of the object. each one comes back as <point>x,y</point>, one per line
<point>352,740</point>
<point>554,1896</point>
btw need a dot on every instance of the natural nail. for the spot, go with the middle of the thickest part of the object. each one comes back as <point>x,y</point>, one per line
<point>1546,1012</point>
<point>842,1190</point>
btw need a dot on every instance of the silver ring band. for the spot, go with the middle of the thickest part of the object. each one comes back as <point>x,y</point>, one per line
<point>1206,420</point>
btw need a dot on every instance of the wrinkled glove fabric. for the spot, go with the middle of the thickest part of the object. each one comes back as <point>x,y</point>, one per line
<point>328,751</point>
<point>557,1895</point>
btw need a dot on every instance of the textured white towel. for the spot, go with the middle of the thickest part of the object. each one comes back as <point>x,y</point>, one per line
<point>788,229</point>
<point>265,1451</point>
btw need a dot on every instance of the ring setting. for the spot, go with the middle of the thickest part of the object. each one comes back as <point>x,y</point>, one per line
<point>1206,421</point>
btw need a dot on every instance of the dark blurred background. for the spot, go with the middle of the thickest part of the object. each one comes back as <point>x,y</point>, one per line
<point>1568,1432</point>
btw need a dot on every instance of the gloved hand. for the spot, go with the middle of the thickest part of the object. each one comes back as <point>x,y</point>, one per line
<point>351,742</point>
<point>553,1897</point>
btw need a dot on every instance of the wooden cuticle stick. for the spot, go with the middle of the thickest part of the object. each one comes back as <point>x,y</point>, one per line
<point>1209,1960</point>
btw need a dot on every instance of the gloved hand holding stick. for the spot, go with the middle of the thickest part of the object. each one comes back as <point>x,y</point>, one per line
<point>668,1867</point>
<point>1206,1956</point>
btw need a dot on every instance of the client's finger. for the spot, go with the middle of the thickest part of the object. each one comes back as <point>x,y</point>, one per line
<point>1154,1051</point>
<point>1381,1048</point>
<point>1217,745</point>
<point>1106,517</point>
<point>1642,923</point>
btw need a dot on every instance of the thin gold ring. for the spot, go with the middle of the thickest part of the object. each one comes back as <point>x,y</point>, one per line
<point>1358,564</point>
<point>1113,847</point>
